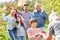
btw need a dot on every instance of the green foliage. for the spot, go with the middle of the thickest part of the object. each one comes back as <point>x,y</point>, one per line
<point>3,31</point>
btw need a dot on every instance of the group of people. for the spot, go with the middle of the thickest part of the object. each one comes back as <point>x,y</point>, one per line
<point>23,23</point>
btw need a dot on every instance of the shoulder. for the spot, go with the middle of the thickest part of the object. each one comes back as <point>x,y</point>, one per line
<point>30,12</point>
<point>35,12</point>
<point>8,16</point>
<point>42,10</point>
<point>22,11</point>
<point>38,29</point>
<point>28,29</point>
<point>52,24</point>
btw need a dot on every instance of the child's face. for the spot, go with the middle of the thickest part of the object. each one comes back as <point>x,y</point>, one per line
<point>34,24</point>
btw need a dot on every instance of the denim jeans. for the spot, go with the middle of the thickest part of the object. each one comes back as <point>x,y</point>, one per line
<point>13,34</point>
<point>42,28</point>
<point>21,38</point>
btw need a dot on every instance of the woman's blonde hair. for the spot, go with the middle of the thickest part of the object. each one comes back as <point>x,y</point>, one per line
<point>32,21</point>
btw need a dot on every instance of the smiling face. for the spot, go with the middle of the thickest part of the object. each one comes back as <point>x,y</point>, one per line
<point>34,24</point>
<point>26,8</point>
<point>13,12</point>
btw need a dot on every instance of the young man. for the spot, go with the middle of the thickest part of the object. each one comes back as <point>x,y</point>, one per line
<point>26,14</point>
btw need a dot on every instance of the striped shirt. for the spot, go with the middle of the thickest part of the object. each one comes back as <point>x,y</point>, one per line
<point>54,29</point>
<point>32,34</point>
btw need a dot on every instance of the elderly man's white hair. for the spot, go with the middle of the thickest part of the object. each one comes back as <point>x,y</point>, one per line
<point>36,4</point>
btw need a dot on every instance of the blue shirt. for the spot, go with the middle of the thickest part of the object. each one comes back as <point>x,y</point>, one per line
<point>41,17</point>
<point>11,21</point>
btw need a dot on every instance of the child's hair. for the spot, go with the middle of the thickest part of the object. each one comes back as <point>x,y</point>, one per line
<point>32,21</point>
<point>21,22</point>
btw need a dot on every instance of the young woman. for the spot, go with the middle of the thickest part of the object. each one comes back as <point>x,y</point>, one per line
<point>11,23</point>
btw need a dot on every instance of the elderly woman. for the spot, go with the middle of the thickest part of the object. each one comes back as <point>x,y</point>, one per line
<point>52,14</point>
<point>54,28</point>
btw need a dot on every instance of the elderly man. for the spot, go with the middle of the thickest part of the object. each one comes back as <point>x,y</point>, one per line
<point>41,17</point>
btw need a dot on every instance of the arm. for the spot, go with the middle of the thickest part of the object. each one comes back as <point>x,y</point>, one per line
<point>45,16</point>
<point>19,12</point>
<point>21,18</point>
<point>50,31</point>
<point>49,37</point>
<point>4,17</point>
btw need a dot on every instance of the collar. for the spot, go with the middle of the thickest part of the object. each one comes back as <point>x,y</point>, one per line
<point>26,12</point>
<point>39,11</point>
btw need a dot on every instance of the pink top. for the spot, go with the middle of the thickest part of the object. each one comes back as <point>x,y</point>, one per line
<point>32,34</point>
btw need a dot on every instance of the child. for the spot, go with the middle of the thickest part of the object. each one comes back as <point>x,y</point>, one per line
<point>21,35</point>
<point>33,32</point>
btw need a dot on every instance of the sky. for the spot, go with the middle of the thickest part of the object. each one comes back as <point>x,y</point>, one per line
<point>2,1</point>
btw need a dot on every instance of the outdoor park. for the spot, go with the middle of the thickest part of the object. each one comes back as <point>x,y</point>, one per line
<point>47,5</point>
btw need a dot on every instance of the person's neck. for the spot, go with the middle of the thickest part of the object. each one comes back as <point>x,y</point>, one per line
<point>38,10</point>
<point>33,27</point>
<point>26,11</point>
<point>12,16</point>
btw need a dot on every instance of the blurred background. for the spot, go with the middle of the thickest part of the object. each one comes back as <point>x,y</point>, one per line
<point>47,5</point>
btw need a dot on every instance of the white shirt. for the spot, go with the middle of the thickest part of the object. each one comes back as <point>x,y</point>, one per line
<point>11,21</point>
